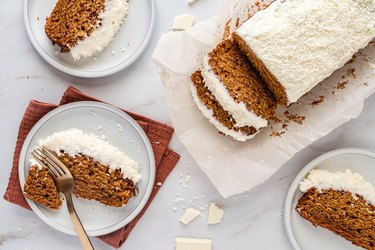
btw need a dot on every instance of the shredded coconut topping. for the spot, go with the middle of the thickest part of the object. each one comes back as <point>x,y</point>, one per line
<point>75,142</point>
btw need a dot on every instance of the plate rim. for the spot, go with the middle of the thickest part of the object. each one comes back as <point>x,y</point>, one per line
<point>302,173</point>
<point>133,123</point>
<point>85,74</point>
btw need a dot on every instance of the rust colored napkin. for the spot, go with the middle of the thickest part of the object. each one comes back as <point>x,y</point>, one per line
<point>159,135</point>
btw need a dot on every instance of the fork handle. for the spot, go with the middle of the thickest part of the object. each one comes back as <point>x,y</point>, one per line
<point>85,241</point>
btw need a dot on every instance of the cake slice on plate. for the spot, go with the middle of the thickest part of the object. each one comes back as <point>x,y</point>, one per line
<point>101,171</point>
<point>342,202</point>
<point>85,27</point>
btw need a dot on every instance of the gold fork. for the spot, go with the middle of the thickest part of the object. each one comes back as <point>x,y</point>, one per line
<point>65,183</point>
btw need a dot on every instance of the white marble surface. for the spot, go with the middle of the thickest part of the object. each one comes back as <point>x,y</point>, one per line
<point>252,220</point>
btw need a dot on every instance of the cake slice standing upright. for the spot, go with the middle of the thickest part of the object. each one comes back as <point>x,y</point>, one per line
<point>230,94</point>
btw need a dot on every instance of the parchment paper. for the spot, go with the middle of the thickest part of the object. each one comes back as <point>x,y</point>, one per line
<point>234,167</point>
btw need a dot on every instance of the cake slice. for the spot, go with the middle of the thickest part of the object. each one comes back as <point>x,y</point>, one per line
<point>242,101</point>
<point>40,187</point>
<point>295,44</point>
<point>341,202</point>
<point>101,171</point>
<point>215,113</point>
<point>85,27</point>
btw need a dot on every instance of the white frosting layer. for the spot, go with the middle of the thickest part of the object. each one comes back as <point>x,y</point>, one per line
<point>208,113</point>
<point>302,42</point>
<point>75,141</point>
<point>346,181</point>
<point>111,19</point>
<point>238,111</point>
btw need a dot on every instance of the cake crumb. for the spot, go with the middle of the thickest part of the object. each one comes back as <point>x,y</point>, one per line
<point>351,72</point>
<point>277,133</point>
<point>319,100</point>
<point>226,30</point>
<point>191,1</point>
<point>365,84</point>
<point>341,85</point>
<point>299,119</point>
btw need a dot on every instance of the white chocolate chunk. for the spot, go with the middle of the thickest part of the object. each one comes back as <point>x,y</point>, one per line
<point>215,214</point>
<point>183,22</point>
<point>189,215</point>
<point>193,244</point>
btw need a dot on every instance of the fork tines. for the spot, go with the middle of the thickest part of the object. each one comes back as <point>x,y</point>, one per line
<point>46,158</point>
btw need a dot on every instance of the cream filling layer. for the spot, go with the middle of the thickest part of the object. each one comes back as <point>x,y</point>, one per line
<point>74,142</point>
<point>208,113</point>
<point>346,181</point>
<point>111,19</point>
<point>238,111</point>
<point>302,42</point>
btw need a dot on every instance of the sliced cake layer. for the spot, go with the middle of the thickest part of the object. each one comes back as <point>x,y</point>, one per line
<point>236,88</point>
<point>85,27</point>
<point>101,171</point>
<point>341,202</point>
<point>215,113</point>
<point>40,187</point>
<point>295,44</point>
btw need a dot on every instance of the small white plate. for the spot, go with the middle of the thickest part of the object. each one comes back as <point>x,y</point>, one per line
<point>301,233</point>
<point>131,40</point>
<point>121,131</point>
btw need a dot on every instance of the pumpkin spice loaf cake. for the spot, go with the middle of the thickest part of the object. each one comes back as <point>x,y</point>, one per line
<point>101,171</point>
<point>85,27</point>
<point>341,202</point>
<point>243,99</point>
<point>292,45</point>
<point>295,44</point>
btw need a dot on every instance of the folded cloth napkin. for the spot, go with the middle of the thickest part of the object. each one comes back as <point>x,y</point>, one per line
<point>159,135</point>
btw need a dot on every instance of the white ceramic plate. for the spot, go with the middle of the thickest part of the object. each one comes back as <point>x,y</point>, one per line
<point>301,233</point>
<point>131,40</point>
<point>122,132</point>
